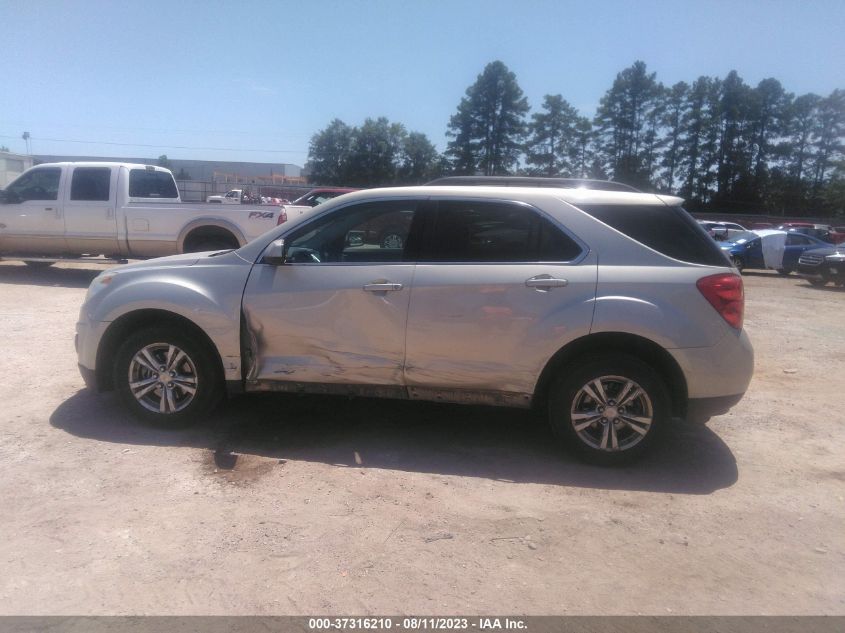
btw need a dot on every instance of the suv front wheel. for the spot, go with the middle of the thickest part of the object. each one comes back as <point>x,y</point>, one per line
<point>166,377</point>
<point>609,409</point>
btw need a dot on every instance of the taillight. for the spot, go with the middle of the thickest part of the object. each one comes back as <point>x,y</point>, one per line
<point>283,217</point>
<point>726,294</point>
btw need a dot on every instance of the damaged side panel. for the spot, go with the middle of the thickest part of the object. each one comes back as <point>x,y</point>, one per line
<point>306,323</point>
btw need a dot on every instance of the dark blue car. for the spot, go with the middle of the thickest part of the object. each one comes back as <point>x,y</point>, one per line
<point>746,250</point>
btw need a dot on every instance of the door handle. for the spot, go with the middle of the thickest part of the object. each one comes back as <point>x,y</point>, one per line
<point>56,209</point>
<point>382,286</point>
<point>546,282</point>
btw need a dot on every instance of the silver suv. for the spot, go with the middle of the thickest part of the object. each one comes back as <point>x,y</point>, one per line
<point>614,311</point>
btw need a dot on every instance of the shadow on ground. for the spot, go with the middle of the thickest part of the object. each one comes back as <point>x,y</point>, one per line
<point>21,274</point>
<point>499,444</point>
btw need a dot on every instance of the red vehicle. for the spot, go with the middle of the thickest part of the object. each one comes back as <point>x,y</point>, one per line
<point>822,231</point>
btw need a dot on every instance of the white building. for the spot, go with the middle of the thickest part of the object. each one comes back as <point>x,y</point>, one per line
<point>12,166</point>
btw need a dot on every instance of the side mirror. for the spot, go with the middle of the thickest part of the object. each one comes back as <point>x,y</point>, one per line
<point>275,254</point>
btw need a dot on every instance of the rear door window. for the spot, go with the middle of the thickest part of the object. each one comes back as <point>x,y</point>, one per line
<point>91,184</point>
<point>797,240</point>
<point>470,231</point>
<point>668,230</point>
<point>144,183</point>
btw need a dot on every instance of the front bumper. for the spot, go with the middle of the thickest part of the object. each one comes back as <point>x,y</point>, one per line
<point>702,409</point>
<point>87,340</point>
<point>89,376</point>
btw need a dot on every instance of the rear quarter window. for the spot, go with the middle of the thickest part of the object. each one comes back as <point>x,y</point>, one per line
<point>668,230</point>
<point>151,184</point>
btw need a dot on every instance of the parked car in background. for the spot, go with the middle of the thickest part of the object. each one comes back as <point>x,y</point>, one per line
<point>722,231</point>
<point>305,205</point>
<point>824,232</point>
<point>320,195</point>
<point>822,265</point>
<point>60,211</point>
<point>746,251</point>
<point>612,312</point>
<point>794,225</point>
<point>233,196</point>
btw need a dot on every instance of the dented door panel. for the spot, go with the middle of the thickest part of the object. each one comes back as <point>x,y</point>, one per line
<point>316,323</point>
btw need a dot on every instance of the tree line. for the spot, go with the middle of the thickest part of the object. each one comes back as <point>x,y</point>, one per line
<point>719,143</point>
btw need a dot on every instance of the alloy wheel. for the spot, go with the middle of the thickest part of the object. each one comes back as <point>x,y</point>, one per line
<point>611,413</point>
<point>163,378</point>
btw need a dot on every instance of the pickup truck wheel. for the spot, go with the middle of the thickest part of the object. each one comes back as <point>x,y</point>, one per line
<point>610,409</point>
<point>39,264</point>
<point>166,377</point>
<point>210,245</point>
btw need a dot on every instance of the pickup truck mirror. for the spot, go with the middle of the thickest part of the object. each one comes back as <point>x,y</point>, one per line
<point>275,254</point>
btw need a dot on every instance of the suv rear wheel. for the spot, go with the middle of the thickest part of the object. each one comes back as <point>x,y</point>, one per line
<point>609,409</point>
<point>166,377</point>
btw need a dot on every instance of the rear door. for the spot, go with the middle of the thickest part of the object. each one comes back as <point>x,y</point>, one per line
<point>90,218</point>
<point>335,312</point>
<point>31,217</point>
<point>499,287</point>
<point>795,245</point>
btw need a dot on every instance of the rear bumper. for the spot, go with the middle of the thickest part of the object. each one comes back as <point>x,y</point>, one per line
<point>720,371</point>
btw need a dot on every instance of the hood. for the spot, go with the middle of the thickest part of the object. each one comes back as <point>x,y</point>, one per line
<point>185,259</point>
<point>827,251</point>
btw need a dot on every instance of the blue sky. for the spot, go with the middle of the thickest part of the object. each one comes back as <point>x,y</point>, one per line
<point>173,77</point>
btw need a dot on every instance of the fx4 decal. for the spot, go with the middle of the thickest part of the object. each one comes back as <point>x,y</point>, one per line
<point>264,215</point>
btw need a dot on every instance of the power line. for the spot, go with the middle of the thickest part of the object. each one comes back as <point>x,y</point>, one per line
<point>30,125</point>
<point>220,149</point>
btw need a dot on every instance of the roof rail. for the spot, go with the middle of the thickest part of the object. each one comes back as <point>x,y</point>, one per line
<point>529,181</point>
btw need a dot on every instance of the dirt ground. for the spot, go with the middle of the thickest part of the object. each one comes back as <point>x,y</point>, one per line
<point>307,505</point>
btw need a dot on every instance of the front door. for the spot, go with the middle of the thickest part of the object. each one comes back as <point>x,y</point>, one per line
<point>90,222</point>
<point>31,218</point>
<point>335,312</point>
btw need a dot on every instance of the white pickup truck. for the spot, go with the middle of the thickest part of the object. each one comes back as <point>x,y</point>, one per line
<point>233,196</point>
<point>62,211</point>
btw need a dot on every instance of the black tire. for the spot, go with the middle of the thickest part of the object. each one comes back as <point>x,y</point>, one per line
<point>38,265</point>
<point>819,282</point>
<point>737,262</point>
<point>210,245</point>
<point>568,393</point>
<point>201,364</point>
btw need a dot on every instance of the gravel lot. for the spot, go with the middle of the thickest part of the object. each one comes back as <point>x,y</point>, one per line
<point>306,505</point>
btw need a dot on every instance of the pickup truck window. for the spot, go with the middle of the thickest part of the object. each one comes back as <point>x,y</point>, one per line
<point>36,184</point>
<point>151,184</point>
<point>90,184</point>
